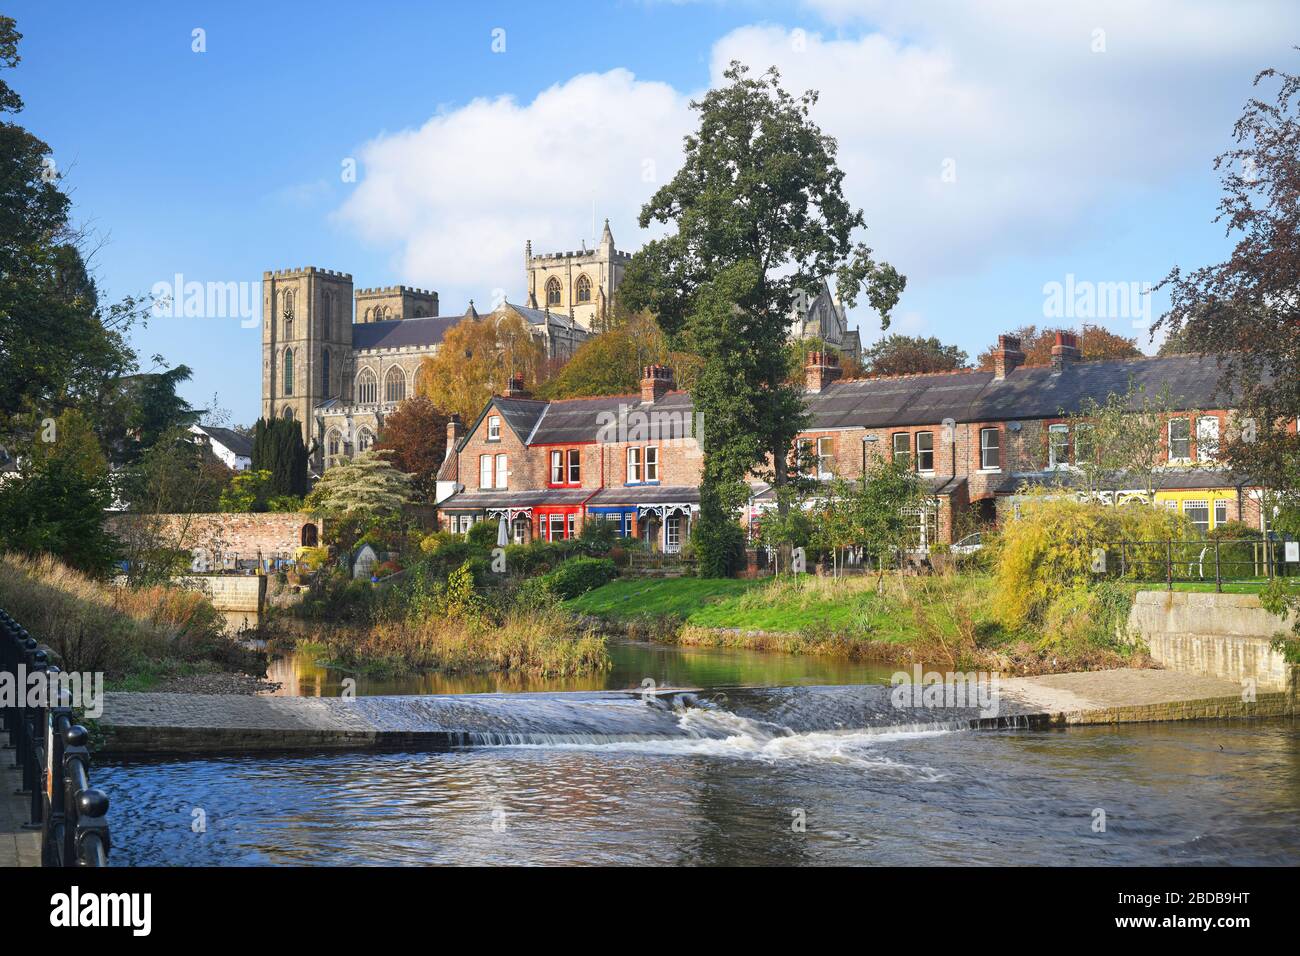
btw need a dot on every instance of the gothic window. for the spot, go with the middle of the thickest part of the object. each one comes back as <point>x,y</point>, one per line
<point>394,385</point>
<point>288,315</point>
<point>365,438</point>
<point>288,371</point>
<point>552,291</point>
<point>326,316</point>
<point>287,414</point>
<point>367,388</point>
<point>584,289</point>
<point>422,379</point>
<point>333,446</point>
<point>369,316</point>
<point>325,373</point>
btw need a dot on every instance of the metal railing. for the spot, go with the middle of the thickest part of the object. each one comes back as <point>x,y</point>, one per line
<point>52,752</point>
<point>1219,560</point>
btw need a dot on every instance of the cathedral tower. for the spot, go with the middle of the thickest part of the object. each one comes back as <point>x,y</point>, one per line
<point>577,284</point>
<point>306,342</point>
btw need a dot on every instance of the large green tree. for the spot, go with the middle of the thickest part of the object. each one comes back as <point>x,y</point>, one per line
<point>911,354</point>
<point>58,348</point>
<point>759,215</point>
<point>1245,309</point>
<point>278,448</point>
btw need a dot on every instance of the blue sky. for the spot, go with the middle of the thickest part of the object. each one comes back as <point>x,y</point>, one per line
<point>995,150</point>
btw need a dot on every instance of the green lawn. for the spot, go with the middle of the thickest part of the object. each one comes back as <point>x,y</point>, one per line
<point>786,605</point>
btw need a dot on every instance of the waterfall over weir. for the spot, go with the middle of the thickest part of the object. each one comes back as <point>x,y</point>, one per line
<point>757,716</point>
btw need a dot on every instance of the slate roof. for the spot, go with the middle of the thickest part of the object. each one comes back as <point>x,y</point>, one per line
<point>516,499</point>
<point>1171,479</point>
<point>402,333</point>
<point>237,444</point>
<point>614,418</point>
<point>645,495</point>
<point>541,317</point>
<point>941,486</point>
<point>1025,393</point>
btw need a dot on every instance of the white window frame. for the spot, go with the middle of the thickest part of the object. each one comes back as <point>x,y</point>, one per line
<point>633,465</point>
<point>651,460</point>
<point>825,457</point>
<point>995,447</point>
<point>1207,439</point>
<point>1220,504</point>
<point>1052,432</point>
<point>494,428</point>
<point>557,467</point>
<point>553,519</point>
<point>1200,504</point>
<point>926,451</point>
<point>485,471</point>
<point>906,450</point>
<point>574,476</point>
<point>503,471</point>
<point>1169,437</point>
<point>673,532</point>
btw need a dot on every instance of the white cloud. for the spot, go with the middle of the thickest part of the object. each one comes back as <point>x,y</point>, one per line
<point>1042,132</point>
<point>458,196</point>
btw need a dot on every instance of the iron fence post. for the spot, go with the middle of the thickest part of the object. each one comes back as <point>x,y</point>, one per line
<point>1218,576</point>
<point>1169,565</point>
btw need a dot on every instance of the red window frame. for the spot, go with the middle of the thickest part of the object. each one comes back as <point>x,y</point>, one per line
<point>568,515</point>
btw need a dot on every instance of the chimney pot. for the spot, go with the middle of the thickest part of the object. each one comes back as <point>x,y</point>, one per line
<point>822,369</point>
<point>1007,356</point>
<point>656,382</point>
<point>1066,350</point>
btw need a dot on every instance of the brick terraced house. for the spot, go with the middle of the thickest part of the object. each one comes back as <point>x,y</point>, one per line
<point>977,438</point>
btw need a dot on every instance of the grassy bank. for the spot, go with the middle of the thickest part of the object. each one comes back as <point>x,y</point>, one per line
<point>137,638</point>
<point>942,619</point>
<point>545,643</point>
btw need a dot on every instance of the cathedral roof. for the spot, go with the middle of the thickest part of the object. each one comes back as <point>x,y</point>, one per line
<point>402,333</point>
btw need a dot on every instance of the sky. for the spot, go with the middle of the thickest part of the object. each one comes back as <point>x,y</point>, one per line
<point>1003,153</point>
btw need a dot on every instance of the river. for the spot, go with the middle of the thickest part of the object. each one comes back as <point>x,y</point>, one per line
<point>744,791</point>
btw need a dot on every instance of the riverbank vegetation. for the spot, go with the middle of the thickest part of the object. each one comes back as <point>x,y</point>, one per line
<point>137,637</point>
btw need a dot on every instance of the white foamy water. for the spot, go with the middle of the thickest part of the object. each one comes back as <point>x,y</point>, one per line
<point>719,733</point>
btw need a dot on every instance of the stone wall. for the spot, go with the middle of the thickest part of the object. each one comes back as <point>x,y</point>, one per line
<point>1219,635</point>
<point>224,537</point>
<point>229,592</point>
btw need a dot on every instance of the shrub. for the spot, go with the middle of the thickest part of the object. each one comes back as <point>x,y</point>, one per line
<point>1083,616</point>
<point>720,546</point>
<point>1049,550</point>
<point>580,575</point>
<point>482,535</point>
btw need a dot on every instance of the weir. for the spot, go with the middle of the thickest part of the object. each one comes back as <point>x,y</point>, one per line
<point>193,724</point>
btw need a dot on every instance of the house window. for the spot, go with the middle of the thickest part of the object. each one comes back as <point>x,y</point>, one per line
<point>485,471</point>
<point>494,428</point>
<point>1207,438</point>
<point>652,463</point>
<point>288,371</point>
<point>575,466</point>
<point>1198,513</point>
<point>557,467</point>
<point>1180,439</point>
<point>466,522</point>
<point>1220,511</point>
<point>990,449</point>
<point>394,385</point>
<point>501,471</point>
<point>1058,445</point>
<point>925,451</point>
<point>367,387</point>
<point>673,533</point>
<point>552,291</point>
<point>1084,447</point>
<point>824,458</point>
<point>902,447</point>
<point>584,289</point>
<point>633,465</point>
<point>572,519</point>
<point>555,529</point>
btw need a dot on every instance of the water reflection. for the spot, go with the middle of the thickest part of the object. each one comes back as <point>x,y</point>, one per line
<point>301,676</point>
<point>1171,795</point>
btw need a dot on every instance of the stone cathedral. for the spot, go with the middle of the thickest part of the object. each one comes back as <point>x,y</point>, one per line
<point>338,359</point>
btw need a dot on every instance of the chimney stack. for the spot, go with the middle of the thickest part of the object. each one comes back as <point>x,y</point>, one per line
<point>822,369</point>
<point>453,434</point>
<point>1066,350</point>
<point>1007,356</point>
<point>516,387</point>
<point>656,382</point>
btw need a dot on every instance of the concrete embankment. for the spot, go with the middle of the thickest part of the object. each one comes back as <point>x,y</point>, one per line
<point>1217,635</point>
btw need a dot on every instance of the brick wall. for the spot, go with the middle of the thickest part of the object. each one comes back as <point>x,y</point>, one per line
<point>233,534</point>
